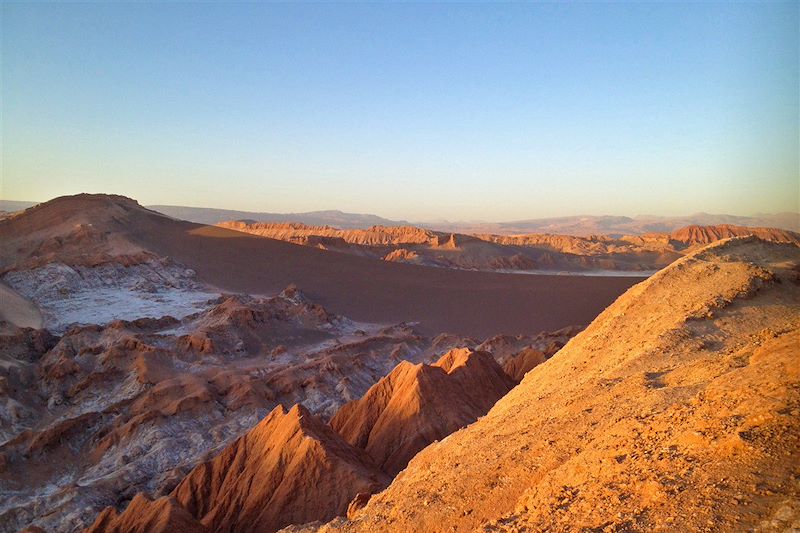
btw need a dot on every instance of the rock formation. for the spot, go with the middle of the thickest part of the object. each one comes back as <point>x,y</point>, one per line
<point>418,404</point>
<point>676,409</point>
<point>143,515</point>
<point>701,235</point>
<point>91,418</point>
<point>291,468</point>
<point>547,252</point>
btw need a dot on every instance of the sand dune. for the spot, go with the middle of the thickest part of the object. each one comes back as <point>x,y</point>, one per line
<point>92,229</point>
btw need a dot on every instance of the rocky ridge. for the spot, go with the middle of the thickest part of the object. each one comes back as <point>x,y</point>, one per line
<point>415,405</point>
<point>527,252</point>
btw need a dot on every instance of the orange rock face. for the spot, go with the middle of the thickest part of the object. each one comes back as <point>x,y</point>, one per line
<point>535,251</point>
<point>289,469</point>
<point>292,468</point>
<point>418,404</point>
<point>524,361</point>
<point>701,235</point>
<point>147,516</point>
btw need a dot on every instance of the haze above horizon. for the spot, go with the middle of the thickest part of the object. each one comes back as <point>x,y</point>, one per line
<point>416,112</point>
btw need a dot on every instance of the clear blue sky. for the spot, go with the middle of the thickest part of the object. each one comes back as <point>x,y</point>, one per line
<point>414,111</point>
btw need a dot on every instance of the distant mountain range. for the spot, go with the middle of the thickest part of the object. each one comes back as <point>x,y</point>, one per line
<point>569,225</point>
<point>615,226</point>
<point>339,219</point>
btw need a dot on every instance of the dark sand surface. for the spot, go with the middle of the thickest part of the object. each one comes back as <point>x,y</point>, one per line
<point>456,301</point>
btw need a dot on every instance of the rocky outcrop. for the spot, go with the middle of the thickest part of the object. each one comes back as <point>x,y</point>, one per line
<point>402,255</point>
<point>143,515</point>
<point>702,235</point>
<point>374,236</point>
<point>524,361</point>
<point>418,404</point>
<point>526,252</point>
<point>289,469</point>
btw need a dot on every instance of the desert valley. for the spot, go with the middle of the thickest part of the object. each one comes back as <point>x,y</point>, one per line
<point>162,375</point>
<point>399,267</point>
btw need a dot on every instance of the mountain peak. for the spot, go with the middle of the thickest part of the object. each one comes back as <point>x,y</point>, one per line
<point>418,404</point>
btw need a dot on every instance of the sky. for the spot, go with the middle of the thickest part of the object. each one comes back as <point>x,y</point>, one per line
<point>415,111</point>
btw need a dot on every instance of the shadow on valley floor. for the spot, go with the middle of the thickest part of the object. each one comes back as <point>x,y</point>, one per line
<point>463,302</point>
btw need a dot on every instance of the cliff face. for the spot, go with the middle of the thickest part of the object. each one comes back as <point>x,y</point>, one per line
<point>676,409</point>
<point>650,251</point>
<point>374,236</point>
<point>702,235</point>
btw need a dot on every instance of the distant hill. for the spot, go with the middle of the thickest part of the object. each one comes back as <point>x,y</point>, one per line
<point>524,252</point>
<point>569,225</point>
<point>339,219</point>
<point>616,225</point>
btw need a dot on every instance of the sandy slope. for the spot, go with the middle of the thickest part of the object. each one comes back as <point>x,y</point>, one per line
<point>678,409</point>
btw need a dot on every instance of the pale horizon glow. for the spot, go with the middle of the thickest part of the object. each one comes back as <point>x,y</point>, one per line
<point>415,112</point>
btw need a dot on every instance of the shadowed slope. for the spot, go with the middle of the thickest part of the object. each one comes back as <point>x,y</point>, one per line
<point>464,302</point>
